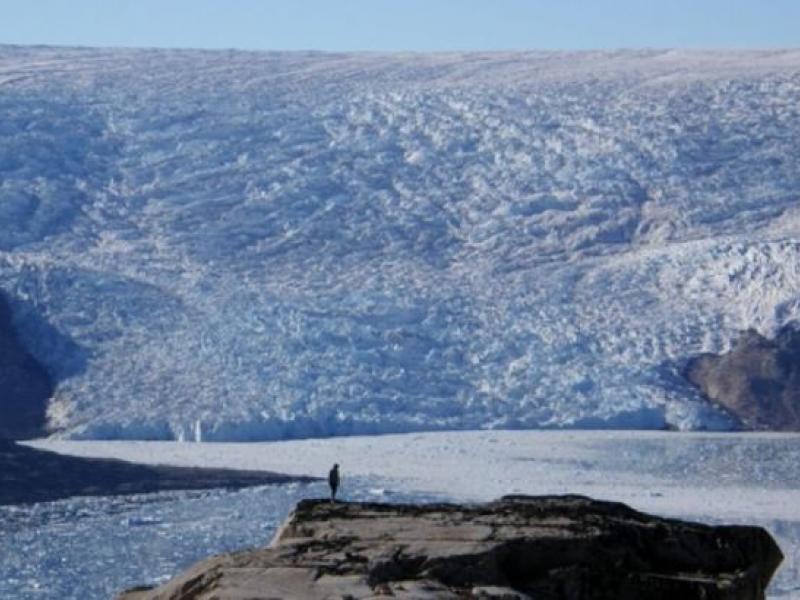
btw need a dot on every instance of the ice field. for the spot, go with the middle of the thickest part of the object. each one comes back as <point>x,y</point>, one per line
<point>216,245</point>
<point>92,547</point>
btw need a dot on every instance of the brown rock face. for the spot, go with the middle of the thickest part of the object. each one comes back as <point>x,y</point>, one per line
<point>758,381</point>
<point>554,547</point>
<point>25,387</point>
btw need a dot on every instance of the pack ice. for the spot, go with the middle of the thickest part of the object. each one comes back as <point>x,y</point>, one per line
<point>258,245</point>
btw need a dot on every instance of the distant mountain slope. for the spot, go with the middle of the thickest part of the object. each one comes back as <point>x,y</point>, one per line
<point>25,386</point>
<point>263,245</point>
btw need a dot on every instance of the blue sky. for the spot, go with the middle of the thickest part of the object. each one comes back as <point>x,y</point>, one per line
<point>419,25</point>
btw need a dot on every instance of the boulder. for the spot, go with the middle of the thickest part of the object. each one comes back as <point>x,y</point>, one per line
<point>758,381</point>
<point>554,547</point>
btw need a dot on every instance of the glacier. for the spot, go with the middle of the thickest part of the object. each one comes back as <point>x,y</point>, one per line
<point>228,245</point>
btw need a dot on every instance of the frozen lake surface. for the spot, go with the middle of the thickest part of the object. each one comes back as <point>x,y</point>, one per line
<point>94,547</point>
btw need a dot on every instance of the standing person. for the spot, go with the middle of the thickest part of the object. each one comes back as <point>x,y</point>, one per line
<point>333,481</point>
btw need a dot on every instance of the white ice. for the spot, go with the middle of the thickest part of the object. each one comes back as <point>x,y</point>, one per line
<point>250,246</point>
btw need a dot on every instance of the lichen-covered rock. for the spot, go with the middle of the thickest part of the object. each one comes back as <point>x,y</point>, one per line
<point>758,380</point>
<point>555,547</point>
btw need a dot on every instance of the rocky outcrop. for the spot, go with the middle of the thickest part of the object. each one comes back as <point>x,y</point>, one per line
<point>25,386</point>
<point>32,475</point>
<point>555,547</point>
<point>758,381</point>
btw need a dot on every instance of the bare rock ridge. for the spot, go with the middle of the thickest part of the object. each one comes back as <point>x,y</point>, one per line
<point>555,547</point>
<point>32,475</point>
<point>758,381</point>
<point>25,386</point>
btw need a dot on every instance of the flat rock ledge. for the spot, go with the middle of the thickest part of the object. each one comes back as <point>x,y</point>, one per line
<point>547,547</point>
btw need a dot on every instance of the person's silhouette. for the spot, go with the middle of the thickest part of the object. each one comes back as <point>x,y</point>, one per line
<point>333,481</point>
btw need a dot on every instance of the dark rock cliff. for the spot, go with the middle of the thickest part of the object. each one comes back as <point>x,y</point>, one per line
<point>25,386</point>
<point>555,547</point>
<point>758,381</point>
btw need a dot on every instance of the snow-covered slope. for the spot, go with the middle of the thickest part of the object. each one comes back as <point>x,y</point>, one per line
<point>235,245</point>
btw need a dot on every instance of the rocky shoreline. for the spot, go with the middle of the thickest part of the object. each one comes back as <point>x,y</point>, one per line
<point>31,475</point>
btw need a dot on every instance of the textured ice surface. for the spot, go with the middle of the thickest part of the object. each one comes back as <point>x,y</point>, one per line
<point>255,245</point>
<point>90,548</point>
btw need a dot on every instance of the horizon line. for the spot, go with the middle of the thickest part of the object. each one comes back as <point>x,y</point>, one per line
<point>720,49</point>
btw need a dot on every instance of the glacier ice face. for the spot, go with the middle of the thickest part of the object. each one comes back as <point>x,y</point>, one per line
<point>257,245</point>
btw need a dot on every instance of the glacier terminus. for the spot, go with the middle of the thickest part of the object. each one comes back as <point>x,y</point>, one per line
<point>229,245</point>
